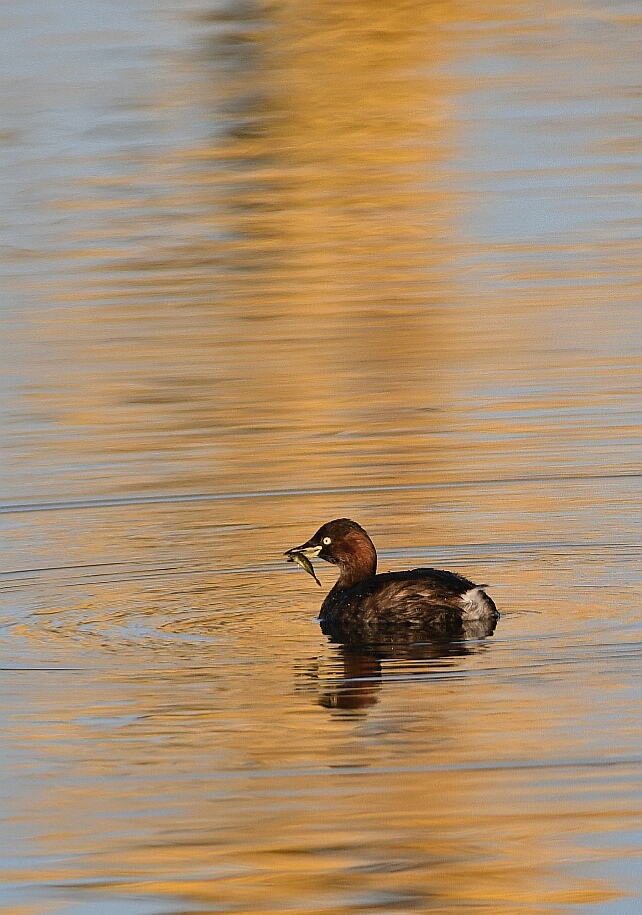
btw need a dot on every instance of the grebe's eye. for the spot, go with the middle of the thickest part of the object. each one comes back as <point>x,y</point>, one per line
<point>327,541</point>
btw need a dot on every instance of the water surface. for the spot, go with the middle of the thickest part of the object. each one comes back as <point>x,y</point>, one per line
<point>263,267</point>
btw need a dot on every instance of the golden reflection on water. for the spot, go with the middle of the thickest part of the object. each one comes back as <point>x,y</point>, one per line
<point>193,785</point>
<point>291,299</point>
<point>291,311</point>
<point>306,303</point>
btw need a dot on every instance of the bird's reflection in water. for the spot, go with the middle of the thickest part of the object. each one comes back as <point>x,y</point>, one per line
<point>362,675</point>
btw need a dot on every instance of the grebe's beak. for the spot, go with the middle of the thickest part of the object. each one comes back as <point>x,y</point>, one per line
<point>311,550</point>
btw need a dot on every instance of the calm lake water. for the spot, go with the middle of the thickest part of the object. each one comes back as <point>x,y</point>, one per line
<point>268,264</point>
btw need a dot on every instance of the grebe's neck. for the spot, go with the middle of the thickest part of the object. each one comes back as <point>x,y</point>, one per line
<point>357,560</point>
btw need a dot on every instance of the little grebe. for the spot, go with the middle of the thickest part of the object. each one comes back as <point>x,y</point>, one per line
<point>365,606</point>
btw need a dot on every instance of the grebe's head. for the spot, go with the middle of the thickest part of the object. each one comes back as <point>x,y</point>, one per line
<point>345,544</point>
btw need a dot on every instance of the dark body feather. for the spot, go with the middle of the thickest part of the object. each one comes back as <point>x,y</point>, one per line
<point>427,600</point>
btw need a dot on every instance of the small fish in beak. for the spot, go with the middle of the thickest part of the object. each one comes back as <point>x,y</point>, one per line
<point>302,560</point>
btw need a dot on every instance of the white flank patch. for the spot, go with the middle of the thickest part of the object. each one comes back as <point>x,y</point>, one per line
<point>476,605</point>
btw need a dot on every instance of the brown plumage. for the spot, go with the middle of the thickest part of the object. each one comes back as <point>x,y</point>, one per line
<point>420,603</point>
